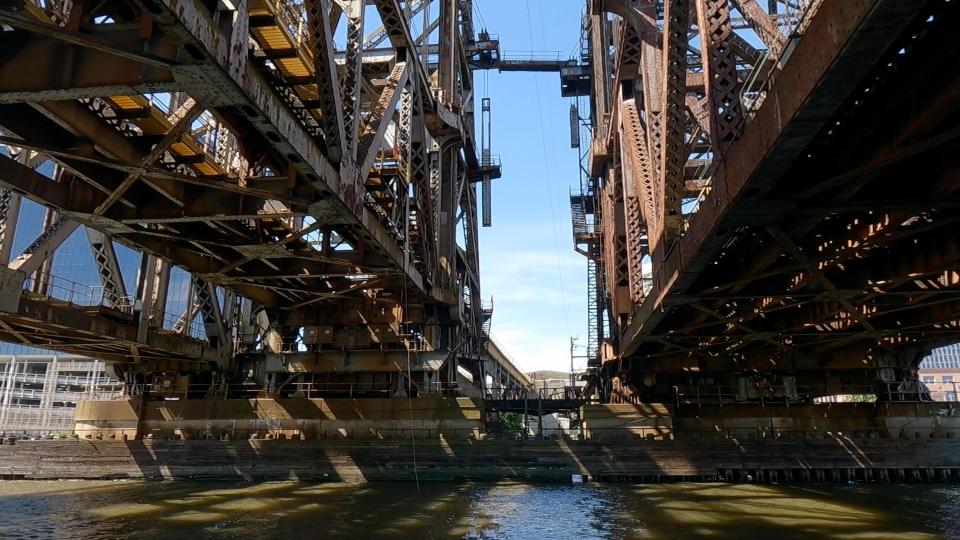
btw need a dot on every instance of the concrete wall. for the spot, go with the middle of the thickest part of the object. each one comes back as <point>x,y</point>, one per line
<point>857,420</point>
<point>462,418</point>
<point>626,421</point>
<point>830,460</point>
<point>286,418</point>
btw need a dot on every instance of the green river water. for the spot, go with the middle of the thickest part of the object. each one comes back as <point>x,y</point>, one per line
<point>171,510</point>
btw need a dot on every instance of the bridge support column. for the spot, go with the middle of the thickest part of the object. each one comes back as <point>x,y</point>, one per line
<point>11,288</point>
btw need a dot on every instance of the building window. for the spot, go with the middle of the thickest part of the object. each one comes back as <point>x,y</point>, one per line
<point>927,379</point>
<point>951,396</point>
<point>948,378</point>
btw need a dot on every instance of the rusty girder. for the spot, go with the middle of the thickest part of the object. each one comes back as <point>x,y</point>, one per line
<point>673,88</point>
<point>719,64</point>
<point>804,248</point>
<point>329,93</point>
<point>242,154</point>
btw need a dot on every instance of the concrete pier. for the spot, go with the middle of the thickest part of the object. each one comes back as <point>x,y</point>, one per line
<point>445,439</point>
<point>290,418</point>
<point>912,420</point>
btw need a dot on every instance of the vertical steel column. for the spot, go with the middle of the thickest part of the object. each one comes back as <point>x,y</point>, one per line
<point>9,215</point>
<point>634,238</point>
<point>160,291</point>
<point>404,142</point>
<point>620,286</point>
<point>435,190</point>
<point>653,103</point>
<point>721,85</point>
<point>674,90</point>
<point>145,286</point>
<point>448,205</point>
<point>325,71</point>
<point>105,258</point>
<point>761,22</point>
<point>420,177</point>
<point>352,76</point>
<point>206,294</point>
<point>486,147</point>
<point>599,60</point>
<point>447,66</point>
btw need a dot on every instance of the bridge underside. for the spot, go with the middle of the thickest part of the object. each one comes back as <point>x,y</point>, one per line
<point>820,256</point>
<point>263,207</point>
<point>773,192</point>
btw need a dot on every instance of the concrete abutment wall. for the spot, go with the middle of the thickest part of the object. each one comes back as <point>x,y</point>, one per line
<point>832,460</point>
<point>905,420</point>
<point>442,439</point>
<point>464,418</point>
<point>291,418</point>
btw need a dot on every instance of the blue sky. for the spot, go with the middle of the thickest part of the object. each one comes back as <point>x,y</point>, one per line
<point>527,262</point>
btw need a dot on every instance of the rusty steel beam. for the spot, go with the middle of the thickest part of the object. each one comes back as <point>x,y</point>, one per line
<point>803,248</point>
<point>673,89</point>
<point>721,84</point>
<point>325,73</point>
<point>257,174</point>
<point>794,96</point>
<point>762,23</point>
<point>350,82</point>
<point>96,72</point>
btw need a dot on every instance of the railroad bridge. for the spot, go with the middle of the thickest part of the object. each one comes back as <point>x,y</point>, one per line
<point>284,197</point>
<point>771,201</point>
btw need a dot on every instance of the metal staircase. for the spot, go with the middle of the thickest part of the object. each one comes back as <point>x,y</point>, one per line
<point>487,317</point>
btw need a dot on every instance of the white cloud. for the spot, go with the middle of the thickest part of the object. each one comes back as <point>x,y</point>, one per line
<point>535,311</point>
<point>535,351</point>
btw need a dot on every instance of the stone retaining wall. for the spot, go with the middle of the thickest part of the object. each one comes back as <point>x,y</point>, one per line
<point>835,459</point>
<point>623,422</point>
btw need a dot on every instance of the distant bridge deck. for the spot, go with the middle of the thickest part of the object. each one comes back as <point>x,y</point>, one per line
<point>533,406</point>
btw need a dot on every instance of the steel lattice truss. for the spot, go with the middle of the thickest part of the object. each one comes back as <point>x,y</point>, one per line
<point>777,190</point>
<point>313,193</point>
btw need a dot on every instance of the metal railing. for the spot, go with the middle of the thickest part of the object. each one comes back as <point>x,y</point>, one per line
<point>907,390</point>
<point>791,25</point>
<point>489,160</point>
<point>157,391</point>
<point>178,324</point>
<point>537,57</point>
<point>83,295</point>
<point>59,379</point>
<point>388,389</point>
<point>292,17</point>
<point>76,293</point>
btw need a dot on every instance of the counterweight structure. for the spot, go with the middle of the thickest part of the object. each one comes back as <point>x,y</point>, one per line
<point>771,196</point>
<point>312,207</point>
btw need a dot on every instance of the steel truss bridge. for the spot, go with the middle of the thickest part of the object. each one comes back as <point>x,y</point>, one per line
<point>770,200</point>
<point>321,200</point>
<point>770,192</point>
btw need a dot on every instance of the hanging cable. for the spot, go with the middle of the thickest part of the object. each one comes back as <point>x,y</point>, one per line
<point>546,168</point>
<point>409,335</point>
<point>476,10</point>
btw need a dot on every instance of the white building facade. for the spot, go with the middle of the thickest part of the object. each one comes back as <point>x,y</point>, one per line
<point>39,393</point>
<point>940,373</point>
